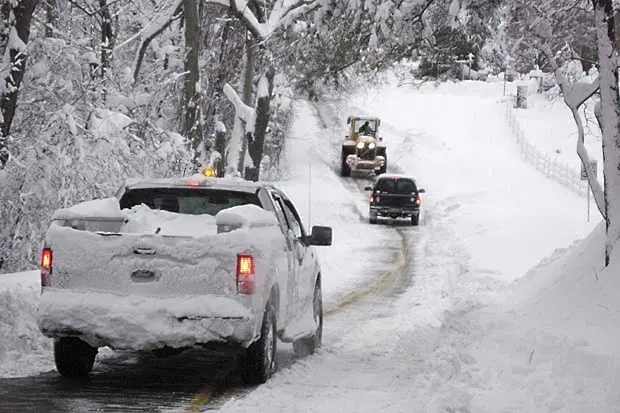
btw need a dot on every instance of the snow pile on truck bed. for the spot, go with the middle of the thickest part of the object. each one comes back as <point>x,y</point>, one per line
<point>248,216</point>
<point>143,220</point>
<point>106,208</point>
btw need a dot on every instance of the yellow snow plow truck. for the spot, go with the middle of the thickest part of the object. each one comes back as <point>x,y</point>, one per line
<point>363,150</point>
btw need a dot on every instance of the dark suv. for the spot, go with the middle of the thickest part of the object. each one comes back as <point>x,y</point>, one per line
<point>395,196</point>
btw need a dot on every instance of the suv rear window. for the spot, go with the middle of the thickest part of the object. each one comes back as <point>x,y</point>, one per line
<point>194,201</point>
<point>396,186</point>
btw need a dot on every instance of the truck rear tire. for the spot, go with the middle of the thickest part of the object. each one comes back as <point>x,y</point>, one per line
<point>73,357</point>
<point>308,345</point>
<point>259,363</point>
<point>415,220</point>
<point>372,218</point>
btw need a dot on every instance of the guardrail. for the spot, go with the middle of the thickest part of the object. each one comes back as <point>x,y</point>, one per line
<point>551,168</point>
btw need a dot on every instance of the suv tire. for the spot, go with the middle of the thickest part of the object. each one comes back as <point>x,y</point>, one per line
<point>415,220</point>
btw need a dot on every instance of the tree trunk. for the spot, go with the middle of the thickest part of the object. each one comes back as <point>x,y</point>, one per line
<point>220,147</point>
<point>246,95</point>
<point>107,36</point>
<point>610,117</point>
<point>107,40</point>
<point>15,31</point>
<point>190,109</point>
<point>263,114</point>
<point>51,16</point>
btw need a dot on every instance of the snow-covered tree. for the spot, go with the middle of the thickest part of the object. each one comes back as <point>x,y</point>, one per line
<point>67,143</point>
<point>15,18</point>
<point>262,22</point>
<point>609,115</point>
<point>553,33</point>
<point>564,27</point>
<point>366,36</point>
<point>544,32</point>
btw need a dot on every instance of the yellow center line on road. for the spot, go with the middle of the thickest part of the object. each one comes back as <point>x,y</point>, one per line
<point>200,400</point>
<point>374,286</point>
<point>208,392</point>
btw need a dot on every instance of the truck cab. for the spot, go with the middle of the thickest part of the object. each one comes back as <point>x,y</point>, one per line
<point>363,149</point>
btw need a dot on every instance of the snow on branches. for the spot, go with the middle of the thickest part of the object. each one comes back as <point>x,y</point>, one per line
<point>282,13</point>
<point>168,13</point>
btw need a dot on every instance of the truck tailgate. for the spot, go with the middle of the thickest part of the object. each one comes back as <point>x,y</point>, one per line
<point>148,264</point>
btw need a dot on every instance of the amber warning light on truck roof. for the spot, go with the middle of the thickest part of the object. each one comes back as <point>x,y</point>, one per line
<point>209,171</point>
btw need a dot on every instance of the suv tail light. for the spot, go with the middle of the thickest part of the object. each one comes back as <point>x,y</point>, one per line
<point>245,274</point>
<point>372,198</point>
<point>46,266</point>
<point>418,201</point>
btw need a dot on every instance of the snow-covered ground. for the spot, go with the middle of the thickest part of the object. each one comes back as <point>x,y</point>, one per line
<point>508,310</point>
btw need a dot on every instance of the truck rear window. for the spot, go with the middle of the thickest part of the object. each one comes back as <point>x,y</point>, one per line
<point>396,186</point>
<point>194,201</point>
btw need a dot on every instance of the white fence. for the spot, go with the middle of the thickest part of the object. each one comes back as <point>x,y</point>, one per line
<point>552,169</point>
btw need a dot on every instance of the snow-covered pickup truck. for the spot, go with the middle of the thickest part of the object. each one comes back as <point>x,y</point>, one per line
<point>178,263</point>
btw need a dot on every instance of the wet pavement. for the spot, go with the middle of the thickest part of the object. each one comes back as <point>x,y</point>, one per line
<point>124,384</point>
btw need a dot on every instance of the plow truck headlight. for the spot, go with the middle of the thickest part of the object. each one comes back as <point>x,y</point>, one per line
<point>371,145</point>
<point>360,145</point>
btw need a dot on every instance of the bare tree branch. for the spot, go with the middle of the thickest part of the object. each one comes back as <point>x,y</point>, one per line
<point>153,29</point>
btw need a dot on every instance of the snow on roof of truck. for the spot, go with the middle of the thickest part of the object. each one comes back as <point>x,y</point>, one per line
<point>197,180</point>
<point>395,176</point>
<point>363,117</point>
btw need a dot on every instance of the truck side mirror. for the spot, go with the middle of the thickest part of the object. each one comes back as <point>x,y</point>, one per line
<point>320,236</point>
<point>368,188</point>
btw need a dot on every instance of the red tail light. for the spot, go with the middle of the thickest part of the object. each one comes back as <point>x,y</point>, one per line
<point>418,201</point>
<point>372,199</point>
<point>46,266</point>
<point>245,274</point>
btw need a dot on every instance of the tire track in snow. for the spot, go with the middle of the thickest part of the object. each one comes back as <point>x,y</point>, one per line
<point>385,283</point>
